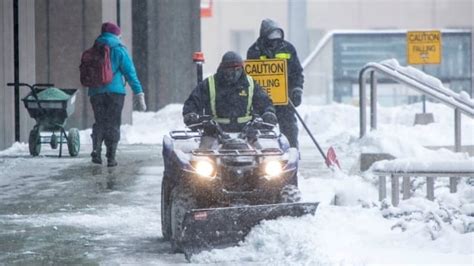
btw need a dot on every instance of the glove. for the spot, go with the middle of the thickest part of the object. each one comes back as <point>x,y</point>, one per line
<point>139,102</point>
<point>190,119</point>
<point>270,118</point>
<point>296,96</point>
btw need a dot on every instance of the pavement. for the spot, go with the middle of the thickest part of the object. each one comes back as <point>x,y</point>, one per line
<point>70,211</point>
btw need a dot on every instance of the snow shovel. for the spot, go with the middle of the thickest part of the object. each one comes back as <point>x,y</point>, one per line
<point>205,229</point>
<point>330,158</point>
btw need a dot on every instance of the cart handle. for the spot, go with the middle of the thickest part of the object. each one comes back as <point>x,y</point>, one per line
<point>32,87</point>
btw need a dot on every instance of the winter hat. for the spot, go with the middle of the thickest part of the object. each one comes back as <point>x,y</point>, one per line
<point>231,59</point>
<point>111,28</point>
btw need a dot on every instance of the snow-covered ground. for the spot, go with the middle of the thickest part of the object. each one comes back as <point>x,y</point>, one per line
<point>360,230</point>
<point>355,228</point>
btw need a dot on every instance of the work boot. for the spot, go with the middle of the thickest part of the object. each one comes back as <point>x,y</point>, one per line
<point>96,149</point>
<point>111,150</point>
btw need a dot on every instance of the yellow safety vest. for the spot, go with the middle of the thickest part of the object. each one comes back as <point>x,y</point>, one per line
<point>212,96</point>
<point>278,56</point>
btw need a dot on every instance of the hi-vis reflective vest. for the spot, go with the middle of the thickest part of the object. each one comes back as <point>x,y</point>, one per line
<point>222,120</point>
<point>278,56</point>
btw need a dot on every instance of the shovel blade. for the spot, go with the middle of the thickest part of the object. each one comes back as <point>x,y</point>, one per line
<point>331,158</point>
<point>205,229</point>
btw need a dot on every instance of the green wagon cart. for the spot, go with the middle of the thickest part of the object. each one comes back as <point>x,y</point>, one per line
<point>51,107</point>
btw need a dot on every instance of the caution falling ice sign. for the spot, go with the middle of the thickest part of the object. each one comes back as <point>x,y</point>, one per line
<point>271,75</point>
<point>424,47</point>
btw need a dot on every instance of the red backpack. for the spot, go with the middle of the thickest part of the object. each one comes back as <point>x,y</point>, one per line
<point>96,68</point>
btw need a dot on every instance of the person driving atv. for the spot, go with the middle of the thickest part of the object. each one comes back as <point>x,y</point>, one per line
<point>231,97</point>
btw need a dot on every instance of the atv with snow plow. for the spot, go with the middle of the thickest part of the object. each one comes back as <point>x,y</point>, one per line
<point>217,185</point>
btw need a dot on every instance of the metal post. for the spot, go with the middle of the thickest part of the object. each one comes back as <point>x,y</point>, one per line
<point>457,130</point>
<point>373,101</point>
<point>382,188</point>
<point>118,13</point>
<point>406,187</point>
<point>16,71</point>
<point>430,188</point>
<point>423,97</point>
<point>395,190</point>
<point>362,110</point>
<point>198,59</point>
<point>453,184</point>
<point>457,146</point>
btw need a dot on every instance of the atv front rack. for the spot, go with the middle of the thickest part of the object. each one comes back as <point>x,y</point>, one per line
<point>184,134</point>
<point>230,152</point>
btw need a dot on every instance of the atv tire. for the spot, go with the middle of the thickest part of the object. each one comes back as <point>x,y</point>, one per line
<point>181,201</point>
<point>290,194</point>
<point>165,209</point>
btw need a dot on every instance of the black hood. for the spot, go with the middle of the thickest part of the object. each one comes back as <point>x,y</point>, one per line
<point>267,26</point>
<point>231,59</point>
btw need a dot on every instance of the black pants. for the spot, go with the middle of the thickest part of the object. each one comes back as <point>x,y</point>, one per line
<point>288,124</point>
<point>108,116</point>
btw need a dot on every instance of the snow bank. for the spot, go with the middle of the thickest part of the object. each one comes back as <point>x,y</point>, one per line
<point>150,127</point>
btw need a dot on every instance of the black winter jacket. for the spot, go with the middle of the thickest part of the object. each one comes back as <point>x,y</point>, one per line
<point>260,48</point>
<point>231,101</point>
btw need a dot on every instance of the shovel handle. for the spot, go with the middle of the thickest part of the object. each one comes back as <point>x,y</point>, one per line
<point>307,130</point>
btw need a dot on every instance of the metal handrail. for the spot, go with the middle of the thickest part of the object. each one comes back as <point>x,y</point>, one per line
<point>458,104</point>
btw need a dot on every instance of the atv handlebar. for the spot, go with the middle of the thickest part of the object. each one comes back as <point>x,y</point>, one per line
<point>211,127</point>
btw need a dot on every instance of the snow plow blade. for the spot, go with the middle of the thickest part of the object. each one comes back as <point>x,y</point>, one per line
<point>205,229</point>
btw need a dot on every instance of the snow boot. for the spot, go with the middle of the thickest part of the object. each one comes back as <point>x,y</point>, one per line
<point>96,149</point>
<point>111,150</point>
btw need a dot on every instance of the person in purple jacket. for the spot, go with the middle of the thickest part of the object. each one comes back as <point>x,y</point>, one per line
<point>107,101</point>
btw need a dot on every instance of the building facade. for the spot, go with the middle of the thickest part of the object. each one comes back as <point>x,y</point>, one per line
<point>52,34</point>
<point>234,25</point>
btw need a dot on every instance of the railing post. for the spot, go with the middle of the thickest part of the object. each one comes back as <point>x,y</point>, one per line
<point>362,109</point>
<point>373,100</point>
<point>453,184</point>
<point>406,187</point>
<point>453,181</point>
<point>395,190</point>
<point>457,130</point>
<point>430,188</point>
<point>382,188</point>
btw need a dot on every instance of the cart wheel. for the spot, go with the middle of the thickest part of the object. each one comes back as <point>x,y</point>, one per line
<point>54,142</point>
<point>34,142</point>
<point>73,142</point>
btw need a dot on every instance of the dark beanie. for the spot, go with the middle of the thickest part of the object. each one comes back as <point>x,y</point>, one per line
<point>111,28</point>
<point>231,59</point>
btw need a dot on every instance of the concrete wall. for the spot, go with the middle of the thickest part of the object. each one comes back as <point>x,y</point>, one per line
<point>26,28</point>
<point>54,33</point>
<point>166,33</point>
<point>6,74</point>
<point>52,36</point>
<point>62,39</point>
<point>472,50</point>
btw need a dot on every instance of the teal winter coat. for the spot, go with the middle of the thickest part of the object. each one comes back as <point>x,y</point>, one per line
<point>122,66</point>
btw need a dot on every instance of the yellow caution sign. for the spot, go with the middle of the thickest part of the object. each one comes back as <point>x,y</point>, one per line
<point>424,47</point>
<point>271,75</point>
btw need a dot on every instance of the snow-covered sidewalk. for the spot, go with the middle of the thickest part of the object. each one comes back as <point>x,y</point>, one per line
<point>351,227</point>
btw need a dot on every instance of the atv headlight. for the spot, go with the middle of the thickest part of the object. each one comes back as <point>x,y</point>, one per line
<point>204,168</point>
<point>273,168</point>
